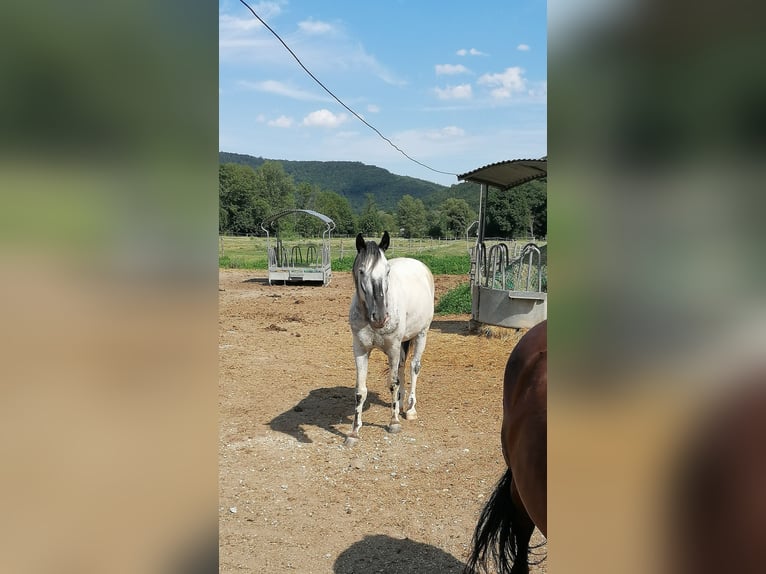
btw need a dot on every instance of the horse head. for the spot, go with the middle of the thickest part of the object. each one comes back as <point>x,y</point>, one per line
<point>371,278</point>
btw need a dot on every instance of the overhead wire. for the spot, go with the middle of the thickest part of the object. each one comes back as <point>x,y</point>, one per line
<point>337,99</point>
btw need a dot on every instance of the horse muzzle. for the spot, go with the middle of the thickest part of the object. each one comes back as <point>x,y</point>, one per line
<point>379,324</point>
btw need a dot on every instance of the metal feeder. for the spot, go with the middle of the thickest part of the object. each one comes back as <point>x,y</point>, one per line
<point>506,290</point>
<point>298,263</point>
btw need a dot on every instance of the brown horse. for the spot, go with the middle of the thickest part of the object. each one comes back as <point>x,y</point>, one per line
<point>519,502</point>
<point>718,496</point>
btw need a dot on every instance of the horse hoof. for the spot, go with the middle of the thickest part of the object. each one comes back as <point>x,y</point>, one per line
<point>394,428</point>
<point>350,441</point>
<point>411,416</point>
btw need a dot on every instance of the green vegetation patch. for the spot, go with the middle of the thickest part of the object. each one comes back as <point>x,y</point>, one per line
<point>438,264</point>
<point>240,262</point>
<point>446,264</point>
<point>454,302</point>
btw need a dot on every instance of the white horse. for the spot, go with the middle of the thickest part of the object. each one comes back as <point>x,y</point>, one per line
<point>393,305</point>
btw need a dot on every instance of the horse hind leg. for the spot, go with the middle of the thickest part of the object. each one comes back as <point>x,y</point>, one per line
<point>420,344</point>
<point>522,528</point>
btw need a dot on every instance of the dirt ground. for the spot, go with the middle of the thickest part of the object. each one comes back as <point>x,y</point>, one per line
<point>293,498</point>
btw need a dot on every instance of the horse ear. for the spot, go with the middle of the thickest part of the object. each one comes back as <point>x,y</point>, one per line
<point>385,242</point>
<point>360,244</point>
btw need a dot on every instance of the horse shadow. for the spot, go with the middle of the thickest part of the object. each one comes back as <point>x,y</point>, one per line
<point>380,553</point>
<point>451,327</point>
<point>325,408</point>
<point>280,283</point>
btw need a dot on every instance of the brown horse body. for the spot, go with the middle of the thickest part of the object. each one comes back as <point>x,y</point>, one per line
<point>719,493</point>
<point>519,502</point>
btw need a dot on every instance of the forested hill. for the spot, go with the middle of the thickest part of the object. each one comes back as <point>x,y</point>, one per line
<point>354,180</point>
<point>368,199</point>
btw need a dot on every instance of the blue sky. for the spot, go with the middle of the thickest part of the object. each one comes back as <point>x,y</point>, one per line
<point>454,85</point>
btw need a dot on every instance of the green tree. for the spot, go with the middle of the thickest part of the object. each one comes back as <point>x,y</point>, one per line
<point>434,223</point>
<point>411,217</point>
<point>518,212</point>
<point>240,209</point>
<point>370,222</point>
<point>337,208</point>
<point>223,219</point>
<point>276,190</point>
<point>456,216</point>
<point>275,187</point>
<point>305,196</point>
<point>538,205</point>
<point>387,221</point>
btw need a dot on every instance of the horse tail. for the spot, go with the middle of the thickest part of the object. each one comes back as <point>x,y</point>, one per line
<point>494,536</point>
<point>405,350</point>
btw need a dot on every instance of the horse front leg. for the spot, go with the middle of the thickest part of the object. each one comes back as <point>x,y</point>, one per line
<point>419,346</point>
<point>393,372</point>
<point>362,358</point>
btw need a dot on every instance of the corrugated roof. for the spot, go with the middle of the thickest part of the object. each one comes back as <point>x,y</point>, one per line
<point>271,219</point>
<point>507,174</point>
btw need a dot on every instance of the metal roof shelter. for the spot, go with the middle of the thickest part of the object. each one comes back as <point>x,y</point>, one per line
<point>507,174</point>
<point>504,175</point>
<point>492,302</point>
<point>273,218</point>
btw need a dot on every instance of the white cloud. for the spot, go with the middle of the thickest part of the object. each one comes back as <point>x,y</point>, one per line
<point>227,22</point>
<point>506,83</point>
<point>233,24</point>
<point>471,52</point>
<point>461,92</point>
<point>420,139</point>
<point>446,132</point>
<point>324,47</point>
<point>240,32</point>
<point>450,69</point>
<point>373,109</point>
<point>269,9</point>
<point>280,89</point>
<point>324,119</point>
<point>234,33</point>
<point>356,58</point>
<point>281,122</point>
<point>523,48</point>
<point>315,27</point>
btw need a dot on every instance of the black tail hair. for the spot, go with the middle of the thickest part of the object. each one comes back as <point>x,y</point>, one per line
<point>494,537</point>
<point>405,350</point>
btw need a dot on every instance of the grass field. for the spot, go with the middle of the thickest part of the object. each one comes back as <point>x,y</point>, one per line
<point>443,256</point>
